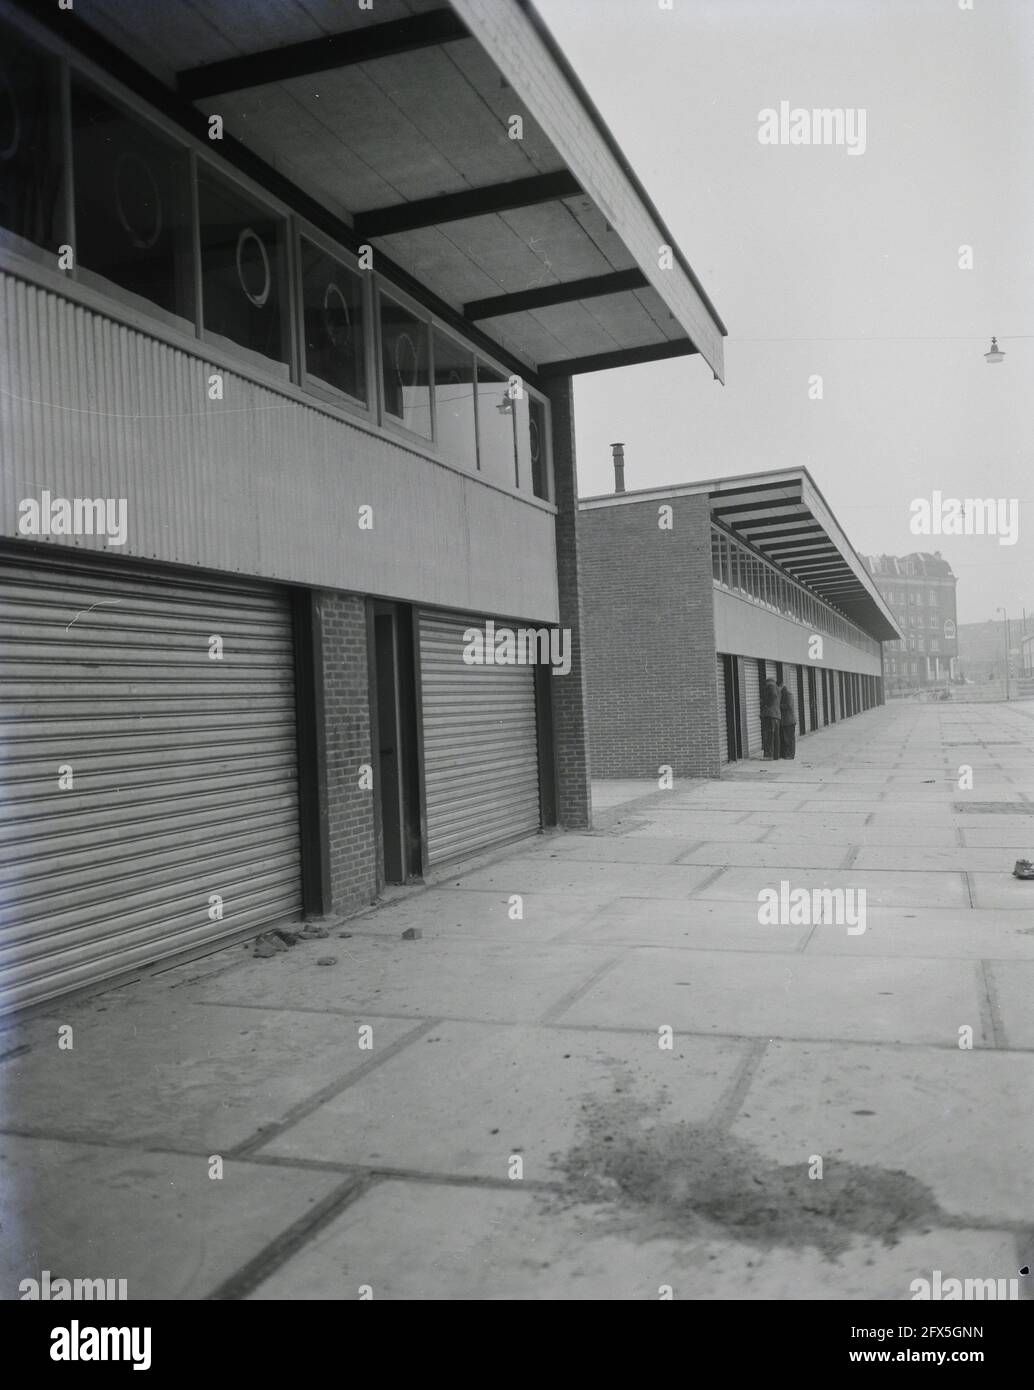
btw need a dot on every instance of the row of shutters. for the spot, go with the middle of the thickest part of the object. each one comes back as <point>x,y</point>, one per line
<point>752,672</point>
<point>149,745</point>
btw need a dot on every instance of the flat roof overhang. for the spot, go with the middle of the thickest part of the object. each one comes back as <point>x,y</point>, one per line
<point>784,517</point>
<point>394,122</point>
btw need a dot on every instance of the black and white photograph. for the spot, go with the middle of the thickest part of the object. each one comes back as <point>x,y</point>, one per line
<point>517,667</point>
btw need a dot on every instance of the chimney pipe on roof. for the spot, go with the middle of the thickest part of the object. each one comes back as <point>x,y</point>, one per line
<point>618,450</point>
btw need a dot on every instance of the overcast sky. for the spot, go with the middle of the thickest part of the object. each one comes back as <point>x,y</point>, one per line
<point>825,263</point>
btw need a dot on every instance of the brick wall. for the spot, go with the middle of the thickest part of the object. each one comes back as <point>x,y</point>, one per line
<point>648,614</point>
<point>570,724</point>
<point>348,814</point>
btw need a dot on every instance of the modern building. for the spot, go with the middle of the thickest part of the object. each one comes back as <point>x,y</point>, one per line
<point>919,590</point>
<point>293,296</point>
<point>693,595</point>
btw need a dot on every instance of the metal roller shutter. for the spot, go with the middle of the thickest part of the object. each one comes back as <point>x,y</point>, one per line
<point>481,769</point>
<point>753,707</point>
<point>723,728</point>
<point>184,770</point>
<point>770,670</point>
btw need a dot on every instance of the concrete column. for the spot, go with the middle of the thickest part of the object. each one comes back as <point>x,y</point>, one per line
<point>570,726</point>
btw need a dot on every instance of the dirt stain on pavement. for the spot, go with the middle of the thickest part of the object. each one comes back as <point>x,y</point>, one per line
<point>657,1178</point>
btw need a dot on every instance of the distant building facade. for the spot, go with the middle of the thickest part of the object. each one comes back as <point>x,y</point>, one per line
<point>694,595</point>
<point>919,589</point>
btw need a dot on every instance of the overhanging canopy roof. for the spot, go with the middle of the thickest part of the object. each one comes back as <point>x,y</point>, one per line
<point>396,120</point>
<point>785,517</point>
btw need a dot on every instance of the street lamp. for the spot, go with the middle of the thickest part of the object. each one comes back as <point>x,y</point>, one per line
<point>1006,617</point>
<point>995,355</point>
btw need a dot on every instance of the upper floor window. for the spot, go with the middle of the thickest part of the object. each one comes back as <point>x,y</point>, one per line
<point>405,369</point>
<point>454,402</point>
<point>497,451</point>
<point>538,448</point>
<point>132,204</point>
<point>31,156</point>
<point>333,318</point>
<point>243,265</point>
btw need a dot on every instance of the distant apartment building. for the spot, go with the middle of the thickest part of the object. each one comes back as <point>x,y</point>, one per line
<point>919,589</point>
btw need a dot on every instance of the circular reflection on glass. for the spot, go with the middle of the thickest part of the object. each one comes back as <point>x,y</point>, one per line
<point>10,119</point>
<point>406,360</point>
<point>138,200</point>
<point>533,435</point>
<point>253,267</point>
<point>337,322</point>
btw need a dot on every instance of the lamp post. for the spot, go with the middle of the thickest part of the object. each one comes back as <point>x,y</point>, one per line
<point>1006,617</point>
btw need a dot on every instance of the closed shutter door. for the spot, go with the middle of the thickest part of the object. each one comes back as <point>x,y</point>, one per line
<point>481,771</point>
<point>183,797</point>
<point>723,727</point>
<point>790,681</point>
<point>770,670</point>
<point>753,704</point>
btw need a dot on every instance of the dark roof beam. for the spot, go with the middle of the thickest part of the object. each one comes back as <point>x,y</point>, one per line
<point>360,45</point>
<point>564,292</point>
<point>625,357</point>
<point>472,202</point>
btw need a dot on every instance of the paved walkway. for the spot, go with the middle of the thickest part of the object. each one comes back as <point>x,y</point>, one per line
<point>494,1110</point>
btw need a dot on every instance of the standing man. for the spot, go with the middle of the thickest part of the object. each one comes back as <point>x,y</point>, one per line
<point>787,724</point>
<point>770,719</point>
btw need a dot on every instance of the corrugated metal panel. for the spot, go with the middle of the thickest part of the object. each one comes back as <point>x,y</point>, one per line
<point>184,769</point>
<point>753,707</point>
<point>723,726</point>
<point>481,772</point>
<point>90,407</point>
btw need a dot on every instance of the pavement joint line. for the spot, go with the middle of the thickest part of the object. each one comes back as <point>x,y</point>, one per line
<point>729,1106</point>
<point>572,996</point>
<point>852,854</point>
<point>647,1030</point>
<point>808,939</point>
<point>319,1098</point>
<point>989,1006</point>
<point>290,1241</point>
<point>699,844</point>
<point>968,881</point>
<point>706,882</point>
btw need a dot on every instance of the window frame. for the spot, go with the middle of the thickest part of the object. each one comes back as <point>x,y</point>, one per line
<point>314,385</point>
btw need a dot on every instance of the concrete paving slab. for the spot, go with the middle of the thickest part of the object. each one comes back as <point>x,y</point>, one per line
<point>156,1220</point>
<point>799,854</point>
<point>804,996</point>
<point>1002,891</point>
<point>808,820</point>
<point>469,1096</point>
<point>993,838</point>
<point>429,978</point>
<point>888,857</point>
<point>961,933</point>
<point>954,1119</point>
<point>939,837</point>
<point>567,875</point>
<point>1012,989</point>
<point>166,1072</point>
<point>420,1241</point>
<point>616,849</point>
<point>695,925</point>
<point>691,829</point>
<point>485,916</point>
<point>887,889</point>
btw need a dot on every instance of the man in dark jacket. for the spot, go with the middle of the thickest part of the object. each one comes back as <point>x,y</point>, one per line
<point>770,719</point>
<point>787,724</point>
